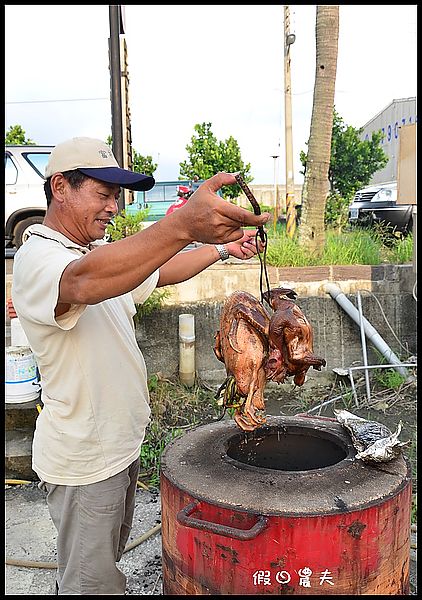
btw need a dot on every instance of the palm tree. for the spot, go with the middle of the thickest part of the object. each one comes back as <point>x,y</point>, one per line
<point>315,186</point>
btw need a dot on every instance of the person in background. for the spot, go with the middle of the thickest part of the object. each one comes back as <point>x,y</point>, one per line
<point>72,293</point>
<point>184,193</point>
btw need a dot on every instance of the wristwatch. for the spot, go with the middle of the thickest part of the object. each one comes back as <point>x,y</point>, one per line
<point>222,251</point>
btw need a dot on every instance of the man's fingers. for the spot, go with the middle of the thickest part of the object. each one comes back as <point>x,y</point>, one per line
<point>245,217</point>
<point>219,179</point>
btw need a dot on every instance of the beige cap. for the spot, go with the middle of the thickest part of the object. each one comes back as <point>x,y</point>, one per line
<point>94,158</point>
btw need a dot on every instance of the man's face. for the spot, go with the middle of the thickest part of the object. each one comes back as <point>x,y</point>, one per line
<point>88,210</point>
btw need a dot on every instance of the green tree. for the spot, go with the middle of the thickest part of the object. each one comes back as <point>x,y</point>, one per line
<point>140,163</point>
<point>143,164</point>
<point>352,163</point>
<point>16,136</point>
<point>208,156</point>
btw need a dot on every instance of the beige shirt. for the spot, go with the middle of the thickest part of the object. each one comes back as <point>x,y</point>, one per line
<point>93,374</point>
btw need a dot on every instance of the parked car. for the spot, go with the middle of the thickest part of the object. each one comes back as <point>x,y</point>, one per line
<point>378,204</point>
<point>25,202</point>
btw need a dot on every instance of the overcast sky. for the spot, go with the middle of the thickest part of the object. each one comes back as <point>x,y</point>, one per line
<point>193,64</point>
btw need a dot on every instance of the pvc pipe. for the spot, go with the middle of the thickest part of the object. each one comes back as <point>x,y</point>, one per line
<point>365,354</point>
<point>371,333</point>
<point>187,349</point>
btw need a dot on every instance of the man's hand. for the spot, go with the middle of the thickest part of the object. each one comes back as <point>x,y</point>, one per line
<point>210,219</point>
<point>245,248</point>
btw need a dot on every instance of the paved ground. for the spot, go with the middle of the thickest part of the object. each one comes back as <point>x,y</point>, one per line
<point>31,536</point>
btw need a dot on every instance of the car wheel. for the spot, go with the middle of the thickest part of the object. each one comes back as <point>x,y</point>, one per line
<point>21,231</point>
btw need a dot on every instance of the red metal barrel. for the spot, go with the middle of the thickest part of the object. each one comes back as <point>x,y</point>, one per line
<point>286,509</point>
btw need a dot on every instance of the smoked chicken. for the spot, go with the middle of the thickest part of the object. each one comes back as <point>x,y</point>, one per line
<point>290,340</point>
<point>256,347</point>
<point>242,344</point>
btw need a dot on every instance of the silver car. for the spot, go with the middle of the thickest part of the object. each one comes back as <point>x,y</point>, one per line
<point>378,204</point>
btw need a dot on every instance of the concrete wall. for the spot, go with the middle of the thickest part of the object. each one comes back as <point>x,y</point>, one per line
<point>387,301</point>
<point>264,194</point>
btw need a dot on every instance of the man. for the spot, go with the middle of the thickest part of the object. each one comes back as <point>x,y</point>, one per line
<point>71,291</point>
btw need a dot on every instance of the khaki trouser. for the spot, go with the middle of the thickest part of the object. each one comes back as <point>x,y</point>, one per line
<point>93,524</point>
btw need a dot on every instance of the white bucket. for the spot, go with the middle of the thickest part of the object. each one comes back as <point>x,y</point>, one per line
<point>22,383</point>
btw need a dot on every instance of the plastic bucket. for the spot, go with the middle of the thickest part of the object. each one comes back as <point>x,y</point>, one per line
<point>22,383</point>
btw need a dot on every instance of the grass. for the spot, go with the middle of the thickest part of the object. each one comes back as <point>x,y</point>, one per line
<point>175,409</point>
<point>350,247</point>
<point>389,378</point>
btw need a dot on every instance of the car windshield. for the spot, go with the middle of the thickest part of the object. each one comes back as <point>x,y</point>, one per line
<point>38,160</point>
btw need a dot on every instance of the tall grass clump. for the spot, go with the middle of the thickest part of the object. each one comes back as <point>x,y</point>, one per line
<point>401,251</point>
<point>358,246</point>
<point>351,248</point>
<point>283,251</point>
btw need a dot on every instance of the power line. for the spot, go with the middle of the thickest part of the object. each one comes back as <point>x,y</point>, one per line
<point>64,100</point>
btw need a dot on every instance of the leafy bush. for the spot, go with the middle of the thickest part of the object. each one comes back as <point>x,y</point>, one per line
<point>336,210</point>
<point>124,225</point>
<point>174,409</point>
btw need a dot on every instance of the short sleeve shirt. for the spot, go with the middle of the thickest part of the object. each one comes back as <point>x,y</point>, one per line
<point>93,375</point>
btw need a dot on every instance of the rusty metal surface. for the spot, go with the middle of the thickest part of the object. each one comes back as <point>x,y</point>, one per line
<point>361,552</point>
<point>199,465</point>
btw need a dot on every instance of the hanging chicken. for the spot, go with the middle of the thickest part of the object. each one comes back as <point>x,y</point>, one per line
<point>256,347</point>
<point>242,344</point>
<point>290,339</point>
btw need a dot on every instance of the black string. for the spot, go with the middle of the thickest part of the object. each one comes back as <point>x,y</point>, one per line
<point>263,263</point>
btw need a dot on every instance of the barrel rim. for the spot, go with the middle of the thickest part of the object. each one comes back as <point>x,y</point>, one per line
<point>202,473</point>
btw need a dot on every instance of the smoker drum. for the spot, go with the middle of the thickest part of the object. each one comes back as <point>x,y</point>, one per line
<point>286,509</point>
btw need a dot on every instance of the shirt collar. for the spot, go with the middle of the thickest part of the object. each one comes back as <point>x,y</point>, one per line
<point>51,234</point>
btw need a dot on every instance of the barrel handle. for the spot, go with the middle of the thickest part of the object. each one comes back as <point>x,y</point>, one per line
<point>184,518</point>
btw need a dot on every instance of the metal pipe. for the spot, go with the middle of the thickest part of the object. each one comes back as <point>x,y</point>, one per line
<point>371,333</point>
<point>365,355</point>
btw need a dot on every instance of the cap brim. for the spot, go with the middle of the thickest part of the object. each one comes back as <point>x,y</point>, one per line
<point>126,179</point>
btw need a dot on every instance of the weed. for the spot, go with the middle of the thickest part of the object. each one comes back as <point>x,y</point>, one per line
<point>124,225</point>
<point>414,509</point>
<point>153,302</point>
<point>153,446</point>
<point>348,400</point>
<point>174,409</point>
<point>389,378</point>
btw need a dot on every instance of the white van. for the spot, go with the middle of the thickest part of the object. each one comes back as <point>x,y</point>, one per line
<point>25,202</point>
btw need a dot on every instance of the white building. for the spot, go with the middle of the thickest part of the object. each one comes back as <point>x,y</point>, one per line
<point>389,120</point>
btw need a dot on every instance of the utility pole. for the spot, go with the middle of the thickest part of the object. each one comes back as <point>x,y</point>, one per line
<point>276,207</point>
<point>289,39</point>
<point>116,27</point>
